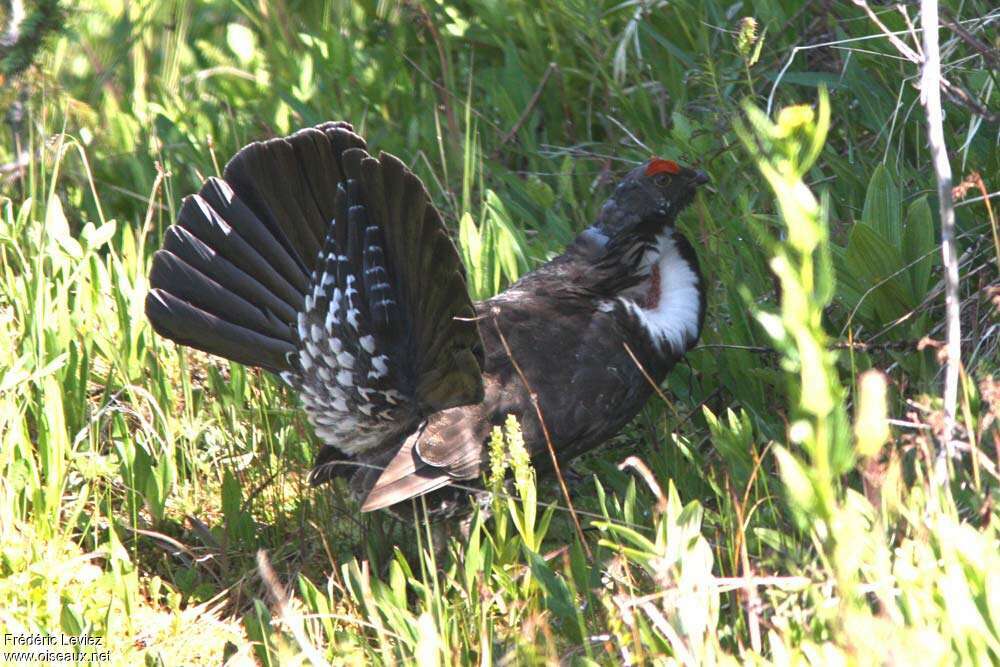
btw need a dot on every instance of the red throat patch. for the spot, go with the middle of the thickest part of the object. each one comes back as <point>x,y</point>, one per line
<point>658,166</point>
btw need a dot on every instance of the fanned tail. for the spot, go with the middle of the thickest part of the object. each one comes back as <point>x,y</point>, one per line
<point>314,260</point>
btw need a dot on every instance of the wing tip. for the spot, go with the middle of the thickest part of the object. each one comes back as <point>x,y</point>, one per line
<point>406,476</point>
<point>400,490</point>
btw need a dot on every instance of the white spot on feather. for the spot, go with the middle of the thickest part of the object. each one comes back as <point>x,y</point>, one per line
<point>323,419</point>
<point>346,359</point>
<point>345,379</point>
<point>380,366</point>
<point>302,325</point>
<point>392,396</point>
<point>595,236</point>
<point>368,343</point>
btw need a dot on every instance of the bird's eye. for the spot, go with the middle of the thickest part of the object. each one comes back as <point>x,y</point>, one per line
<point>662,179</point>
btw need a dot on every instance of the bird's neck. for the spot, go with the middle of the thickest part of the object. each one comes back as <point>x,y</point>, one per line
<point>668,302</point>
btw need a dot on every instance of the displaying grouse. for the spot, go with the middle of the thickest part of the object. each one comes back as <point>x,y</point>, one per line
<point>316,261</point>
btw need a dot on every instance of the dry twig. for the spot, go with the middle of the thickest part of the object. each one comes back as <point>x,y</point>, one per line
<point>532,103</point>
<point>930,94</point>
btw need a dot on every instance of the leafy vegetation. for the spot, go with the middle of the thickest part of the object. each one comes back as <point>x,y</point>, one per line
<point>772,504</point>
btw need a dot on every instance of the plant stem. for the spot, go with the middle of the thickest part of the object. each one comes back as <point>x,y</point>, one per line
<point>930,93</point>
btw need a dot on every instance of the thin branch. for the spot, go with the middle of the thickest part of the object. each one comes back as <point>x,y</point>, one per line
<point>449,112</point>
<point>532,103</point>
<point>989,54</point>
<point>652,384</point>
<point>640,467</point>
<point>930,93</point>
<point>900,45</point>
<point>858,345</point>
<point>954,93</point>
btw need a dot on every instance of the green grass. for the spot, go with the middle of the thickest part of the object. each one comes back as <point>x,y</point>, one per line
<point>768,515</point>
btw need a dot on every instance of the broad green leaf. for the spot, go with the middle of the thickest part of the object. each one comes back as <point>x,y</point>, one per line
<point>811,79</point>
<point>883,207</point>
<point>681,128</point>
<point>558,598</point>
<point>919,248</point>
<point>874,268</point>
<point>70,620</point>
<point>540,192</point>
<point>470,242</point>
<point>57,228</point>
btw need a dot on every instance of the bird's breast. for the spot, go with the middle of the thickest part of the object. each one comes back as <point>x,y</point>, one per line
<point>668,304</point>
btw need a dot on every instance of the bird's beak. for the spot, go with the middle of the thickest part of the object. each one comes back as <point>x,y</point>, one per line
<point>700,177</point>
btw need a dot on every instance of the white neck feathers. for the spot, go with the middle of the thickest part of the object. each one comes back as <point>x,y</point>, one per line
<point>674,319</point>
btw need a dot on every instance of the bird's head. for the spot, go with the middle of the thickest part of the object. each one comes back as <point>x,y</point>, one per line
<point>648,199</point>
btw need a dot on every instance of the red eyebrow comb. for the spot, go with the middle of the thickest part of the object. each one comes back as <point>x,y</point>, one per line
<point>658,166</point>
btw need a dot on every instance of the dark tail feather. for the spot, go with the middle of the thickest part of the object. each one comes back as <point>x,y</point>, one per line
<point>194,252</point>
<point>188,325</point>
<point>253,247</point>
<point>202,292</point>
<point>224,283</point>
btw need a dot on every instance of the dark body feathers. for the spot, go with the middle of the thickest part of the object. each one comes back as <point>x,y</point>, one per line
<point>316,261</point>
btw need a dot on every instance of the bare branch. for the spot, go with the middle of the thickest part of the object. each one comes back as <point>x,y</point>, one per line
<point>900,45</point>
<point>930,94</point>
<point>532,103</point>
